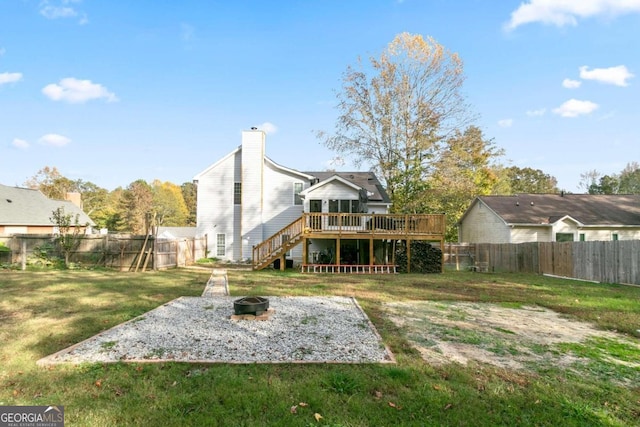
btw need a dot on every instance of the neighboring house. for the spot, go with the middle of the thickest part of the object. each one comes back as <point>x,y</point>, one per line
<point>251,208</point>
<point>550,218</point>
<point>27,211</point>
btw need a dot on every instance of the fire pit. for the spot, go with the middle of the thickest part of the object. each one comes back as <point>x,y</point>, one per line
<point>251,305</point>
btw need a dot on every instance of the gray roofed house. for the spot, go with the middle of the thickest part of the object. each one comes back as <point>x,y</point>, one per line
<point>27,211</point>
<point>550,217</point>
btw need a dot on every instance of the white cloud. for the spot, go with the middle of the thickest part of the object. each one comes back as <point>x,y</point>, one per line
<point>567,12</point>
<point>571,84</point>
<point>54,140</point>
<point>268,128</point>
<point>58,9</point>
<point>575,108</point>
<point>505,123</point>
<point>56,12</point>
<point>10,78</point>
<point>537,113</point>
<point>20,143</point>
<point>77,91</point>
<point>613,75</point>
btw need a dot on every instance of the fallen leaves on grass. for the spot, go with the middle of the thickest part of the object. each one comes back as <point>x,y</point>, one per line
<point>317,416</point>
<point>393,405</point>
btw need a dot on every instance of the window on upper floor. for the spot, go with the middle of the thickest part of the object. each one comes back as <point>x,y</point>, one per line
<point>614,236</point>
<point>297,188</point>
<point>237,193</point>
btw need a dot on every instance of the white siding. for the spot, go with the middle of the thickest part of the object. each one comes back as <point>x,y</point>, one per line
<point>215,203</point>
<point>334,190</point>
<point>482,225</point>
<point>606,234</point>
<point>530,234</point>
<point>252,190</point>
<point>279,208</point>
<point>565,226</point>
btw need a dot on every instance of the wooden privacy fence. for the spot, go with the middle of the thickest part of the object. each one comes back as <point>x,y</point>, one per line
<point>120,251</point>
<point>600,261</point>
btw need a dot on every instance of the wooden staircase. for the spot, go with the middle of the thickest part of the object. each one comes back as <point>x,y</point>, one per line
<point>276,246</point>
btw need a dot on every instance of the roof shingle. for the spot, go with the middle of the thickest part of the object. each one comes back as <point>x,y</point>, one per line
<point>588,209</point>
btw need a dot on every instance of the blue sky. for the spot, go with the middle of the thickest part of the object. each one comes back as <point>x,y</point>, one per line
<point>114,91</point>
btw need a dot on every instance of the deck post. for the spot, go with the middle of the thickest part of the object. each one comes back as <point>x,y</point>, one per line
<point>338,252</point>
<point>408,256</point>
<point>283,261</point>
<point>371,253</point>
<point>305,251</point>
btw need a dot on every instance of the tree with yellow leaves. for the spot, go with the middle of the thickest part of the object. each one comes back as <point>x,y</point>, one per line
<point>397,114</point>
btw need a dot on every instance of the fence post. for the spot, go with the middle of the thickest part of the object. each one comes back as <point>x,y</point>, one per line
<point>24,254</point>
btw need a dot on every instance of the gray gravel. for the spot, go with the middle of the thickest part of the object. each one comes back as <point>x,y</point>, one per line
<point>199,329</point>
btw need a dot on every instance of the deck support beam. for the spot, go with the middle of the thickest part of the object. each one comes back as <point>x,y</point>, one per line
<point>372,260</point>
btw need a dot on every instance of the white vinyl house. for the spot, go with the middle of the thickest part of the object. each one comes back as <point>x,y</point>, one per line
<point>245,198</point>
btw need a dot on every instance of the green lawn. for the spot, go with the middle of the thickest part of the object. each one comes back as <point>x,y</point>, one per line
<point>44,312</point>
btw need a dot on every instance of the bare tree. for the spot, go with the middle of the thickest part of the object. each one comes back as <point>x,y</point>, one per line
<point>396,114</point>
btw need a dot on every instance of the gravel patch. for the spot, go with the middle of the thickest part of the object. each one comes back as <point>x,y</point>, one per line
<point>197,329</point>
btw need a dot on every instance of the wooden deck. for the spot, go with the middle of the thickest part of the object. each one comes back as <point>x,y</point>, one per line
<point>339,226</point>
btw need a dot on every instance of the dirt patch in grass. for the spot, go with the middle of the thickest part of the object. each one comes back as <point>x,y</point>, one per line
<point>507,337</point>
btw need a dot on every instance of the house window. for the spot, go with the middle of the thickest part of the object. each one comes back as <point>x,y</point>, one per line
<point>614,236</point>
<point>344,206</point>
<point>582,237</point>
<point>220,245</point>
<point>297,188</point>
<point>237,193</point>
<point>564,237</point>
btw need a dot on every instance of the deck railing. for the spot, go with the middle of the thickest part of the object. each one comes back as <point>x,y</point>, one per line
<point>377,224</point>
<point>271,247</point>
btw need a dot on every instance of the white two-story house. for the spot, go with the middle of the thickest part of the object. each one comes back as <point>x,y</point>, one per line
<point>251,208</point>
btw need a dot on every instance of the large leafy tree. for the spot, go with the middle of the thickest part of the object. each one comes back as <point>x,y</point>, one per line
<point>626,182</point>
<point>463,170</point>
<point>397,112</point>
<point>189,194</point>
<point>51,183</point>
<point>168,204</point>
<point>630,179</point>
<point>529,180</point>
<point>136,207</point>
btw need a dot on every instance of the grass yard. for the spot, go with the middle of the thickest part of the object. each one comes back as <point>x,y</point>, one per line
<point>44,312</point>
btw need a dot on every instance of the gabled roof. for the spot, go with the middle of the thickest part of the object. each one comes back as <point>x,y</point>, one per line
<point>330,180</point>
<point>364,180</point>
<point>24,206</point>
<point>586,209</point>
<point>266,159</point>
